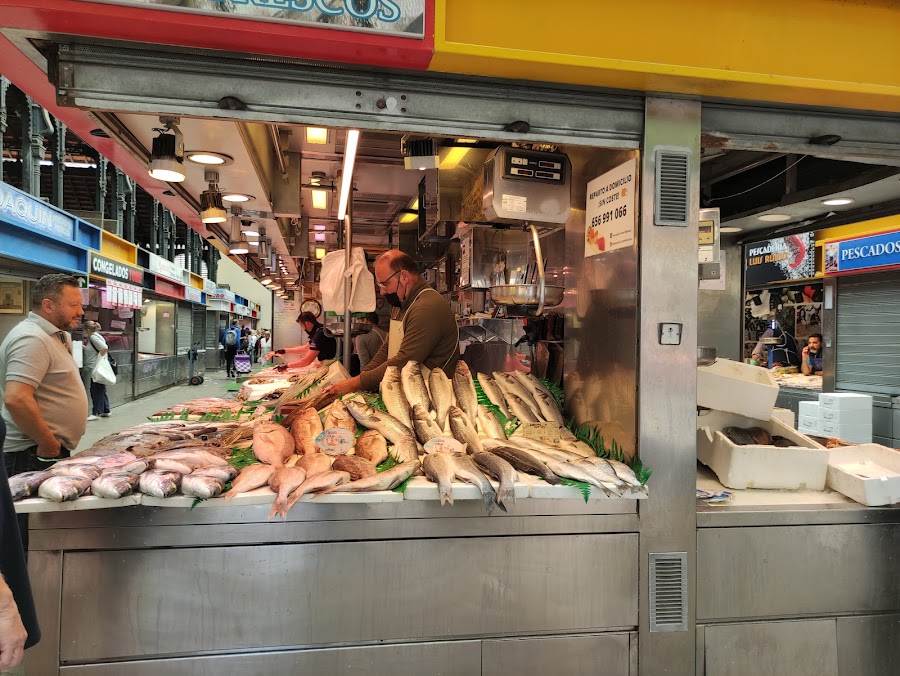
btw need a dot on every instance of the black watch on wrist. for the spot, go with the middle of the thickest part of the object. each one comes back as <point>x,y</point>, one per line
<point>279,351</point>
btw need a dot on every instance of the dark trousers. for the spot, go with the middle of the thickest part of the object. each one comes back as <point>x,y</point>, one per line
<point>99,398</point>
<point>27,461</point>
<point>230,354</point>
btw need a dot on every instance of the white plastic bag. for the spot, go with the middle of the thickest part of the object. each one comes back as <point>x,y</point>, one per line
<point>103,373</point>
<point>331,282</point>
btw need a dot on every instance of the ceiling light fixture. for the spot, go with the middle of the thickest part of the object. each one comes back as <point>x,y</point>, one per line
<point>320,237</point>
<point>729,229</point>
<point>316,178</point>
<point>250,227</point>
<point>237,243</point>
<point>319,227</point>
<point>212,209</point>
<point>266,279</point>
<point>320,199</point>
<point>837,201</point>
<point>317,136</point>
<point>320,252</point>
<point>347,174</point>
<point>167,153</point>
<point>237,197</point>
<point>774,218</point>
<point>208,157</point>
<point>263,250</point>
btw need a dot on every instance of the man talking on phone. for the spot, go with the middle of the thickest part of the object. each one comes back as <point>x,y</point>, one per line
<point>812,356</point>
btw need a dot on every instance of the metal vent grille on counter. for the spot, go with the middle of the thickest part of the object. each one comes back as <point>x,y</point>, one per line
<point>668,592</point>
<point>673,175</point>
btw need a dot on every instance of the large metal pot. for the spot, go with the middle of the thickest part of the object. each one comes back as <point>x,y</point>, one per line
<point>526,294</point>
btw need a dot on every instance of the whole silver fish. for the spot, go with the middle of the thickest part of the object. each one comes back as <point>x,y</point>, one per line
<point>197,457</point>
<point>114,485</point>
<point>626,475</point>
<point>414,385</point>
<point>463,430</point>
<point>576,473</point>
<point>440,468</point>
<point>25,485</point>
<point>159,483</point>
<point>203,487</point>
<point>373,419</point>
<point>394,399</point>
<point>383,481</point>
<point>339,416</point>
<point>464,389</point>
<point>466,470</point>
<point>502,471</point>
<point>578,447</point>
<point>226,474</point>
<point>600,470</point>
<point>174,465</point>
<point>441,395</point>
<point>87,471</point>
<point>490,426</point>
<point>525,462</point>
<point>426,427</point>
<point>493,392</point>
<point>405,449</point>
<point>520,409</point>
<point>531,383</point>
<point>549,410</point>
<point>511,386</point>
<point>64,488</point>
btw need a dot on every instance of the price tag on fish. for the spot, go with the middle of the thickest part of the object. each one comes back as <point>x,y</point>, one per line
<point>444,445</point>
<point>336,441</point>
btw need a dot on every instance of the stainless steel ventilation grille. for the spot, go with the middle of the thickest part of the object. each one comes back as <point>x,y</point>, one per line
<point>673,174</point>
<point>668,592</point>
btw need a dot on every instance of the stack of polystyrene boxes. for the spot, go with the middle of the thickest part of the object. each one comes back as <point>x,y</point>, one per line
<point>808,421</point>
<point>847,416</point>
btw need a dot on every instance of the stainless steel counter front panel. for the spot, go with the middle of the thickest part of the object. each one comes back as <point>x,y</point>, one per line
<point>609,654</point>
<point>869,645</point>
<point>789,572</point>
<point>725,516</point>
<point>462,658</point>
<point>180,601</point>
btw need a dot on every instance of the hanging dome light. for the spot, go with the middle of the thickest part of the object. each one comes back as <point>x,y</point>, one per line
<point>212,209</point>
<point>237,243</point>
<point>167,154</point>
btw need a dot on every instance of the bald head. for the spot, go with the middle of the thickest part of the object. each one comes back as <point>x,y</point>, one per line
<point>396,273</point>
<point>396,260</point>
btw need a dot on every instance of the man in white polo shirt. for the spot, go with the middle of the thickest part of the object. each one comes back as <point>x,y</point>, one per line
<point>44,402</point>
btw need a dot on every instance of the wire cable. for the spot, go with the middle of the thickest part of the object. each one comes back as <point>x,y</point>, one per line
<point>768,180</point>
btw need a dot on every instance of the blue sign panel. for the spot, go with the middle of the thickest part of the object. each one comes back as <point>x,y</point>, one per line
<point>23,210</point>
<point>862,253</point>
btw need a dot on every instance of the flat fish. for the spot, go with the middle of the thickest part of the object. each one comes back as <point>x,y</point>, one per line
<point>284,481</point>
<point>466,470</point>
<point>305,429</point>
<point>114,485</point>
<point>405,449</point>
<point>441,395</point>
<point>226,474</point>
<point>493,392</point>
<point>413,383</point>
<point>440,468</point>
<point>203,487</point>
<point>463,430</point>
<point>502,471</point>
<point>25,485</point>
<point>426,427</point>
<point>372,447</point>
<point>357,467</point>
<point>315,463</point>
<point>159,483</point>
<point>520,409</point>
<point>393,397</point>
<point>464,389</point>
<point>64,488</point>
<point>250,478</point>
<point>319,482</point>
<point>87,471</point>
<point>525,462</point>
<point>272,443</point>
<point>382,481</point>
<point>339,416</point>
<point>490,426</point>
<point>373,419</point>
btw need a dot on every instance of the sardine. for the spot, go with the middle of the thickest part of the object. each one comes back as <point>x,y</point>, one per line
<point>225,474</point>
<point>251,477</point>
<point>502,471</point>
<point>490,426</point>
<point>466,470</point>
<point>511,386</point>
<point>426,427</point>
<point>440,468</point>
<point>464,389</point>
<point>441,395</point>
<point>285,481</point>
<point>549,410</point>
<point>525,462</point>
<point>114,485</point>
<point>357,467</point>
<point>463,430</point>
<point>413,383</point>
<point>493,392</point>
<point>576,473</point>
<point>159,483</point>
<point>203,487</point>
<point>394,399</point>
<point>520,409</point>
<point>339,416</point>
<point>25,485</point>
<point>319,482</point>
<point>372,447</point>
<point>304,430</point>
<point>373,419</point>
<point>405,449</point>
<point>64,488</point>
<point>315,463</point>
<point>382,481</point>
<point>87,471</point>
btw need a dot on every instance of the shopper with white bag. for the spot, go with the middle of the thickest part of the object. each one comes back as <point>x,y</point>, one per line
<point>97,372</point>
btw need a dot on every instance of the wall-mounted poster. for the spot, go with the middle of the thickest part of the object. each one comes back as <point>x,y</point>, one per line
<point>12,297</point>
<point>782,259</point>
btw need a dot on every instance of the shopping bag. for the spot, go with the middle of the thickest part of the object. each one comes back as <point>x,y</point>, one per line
<point>242,363</point>
<point>103,373</point>
<point>331,282</point>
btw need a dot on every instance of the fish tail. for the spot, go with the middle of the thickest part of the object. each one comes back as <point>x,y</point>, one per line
<point>489,497</point>
<point>506,494</point>
<point>296,495</point>
<point>446,494</point>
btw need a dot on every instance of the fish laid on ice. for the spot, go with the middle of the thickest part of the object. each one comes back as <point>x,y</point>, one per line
<point>464,389</point>
<point>426,427</point>
<point>339,416</point>
<point>525,462</point>
<point>304,431</point>
<point>392,396</point>
<point>382,481</point>
<point>502,471</point>
<point>319,482</point>
<point>549,410</point>
<point>373,419</point>
<point>463,430</point>
<point>114,485</point>
<point>315,463</point>
<point>25,485</point>
<point>413,383</point>
<point>520,409</point>
<point>225,474</point>
<point>441,395</point>
<point>466,470</point>
<point>203,487</point>
<point>440,468</point>
<point>353,465</point>
<point>490,425</point>
<point>272,443</point>
<point>493,392</point>
<point>64,488</point>
<point>372,447</point>
<point>87,471</point>
<point>405,449</point>
<point>285,481</point>
<point>251,477</point>
<point>159,483</point>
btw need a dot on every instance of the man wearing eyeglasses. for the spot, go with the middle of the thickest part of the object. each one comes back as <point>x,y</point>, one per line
<point>423,328</point>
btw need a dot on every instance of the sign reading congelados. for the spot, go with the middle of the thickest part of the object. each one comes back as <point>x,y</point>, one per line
<point>25,211</point>
<point>113,269</point>
<point>397,17</point>
<point>862,253</point>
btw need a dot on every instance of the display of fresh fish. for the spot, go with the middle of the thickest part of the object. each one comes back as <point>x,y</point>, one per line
<point>441,395</point>
<point>60,488</point>
<point>195,456</point>
<point>490,425</point>
<point>578,447</point>
<point>304,430</point>
<point>285,481</point>
<point>392,396</point>
<point>576,473</point>
<point>493,392</point>
<point>25,485</point>
<point>126,462</point>
<point>114,485</point>
<point>531,383</point>
<point>382,481</point>
<point>502,471</point>
<point>339,416</point>
<point>405,449</point>
<point>357,467</point>
<point>319,482</point>
<point>549,410</point>
<point>203,487</point>
<point>426,427</point>
<point>512,386</point>
<point>87,471</point>
<point>251,477</point>
<point>602,472</point>
<point>373,419</point>
<point>520,409</point>
<point>463,430</point>
<point>315,463</point>
<point>372,446</point>
<point>174,465</point>
<point>626,475</point>
<point>413,383</point>
<point>464,390</point>
<point>525,462</point>
<point>466,470</point>
<point>440,468</point>
<point>159,483</point>
<point>225,474</point>
<point>272,443</point>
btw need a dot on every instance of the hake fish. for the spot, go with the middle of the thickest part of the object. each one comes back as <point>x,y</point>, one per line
<point>466,470</point>
<point>304,430</point>
<point>502,471</point>
<point>493,392</point>
<point>441,395</point>
<point>382,481</point>
<point>372,447</point>
<point>520,409</point>
<point>525,462</point>
<point>463,430</point>
<point>405,449</point>
<point>87,471</point>
<point>64,488</point>
<point>490,426</point>
<point>600,470</point>
<point>373,419</point>
<point>357,467</point>
<point>393,397</point>
<point>626,475</point>
<point>25,485</point>
<point>251,477</point>
<point>426,427</point>
<point>284,481</point>
<point>413,383</point>
<point>464,389</point>
<point>203,487</point>
<point>114,485</point>
<point>339,416</point>
<point>319,482</point>
<point>159,483</point>
<point>440,468</point>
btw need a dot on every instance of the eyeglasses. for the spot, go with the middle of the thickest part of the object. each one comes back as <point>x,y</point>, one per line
<point>384,284</point>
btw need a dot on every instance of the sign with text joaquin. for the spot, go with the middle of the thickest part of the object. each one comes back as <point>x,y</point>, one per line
<point>783,259</point>
<point>23,210</point>
<point>393,17</point>
<point>863,254</point>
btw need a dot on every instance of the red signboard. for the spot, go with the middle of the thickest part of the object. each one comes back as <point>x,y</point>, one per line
<point>166,288</point>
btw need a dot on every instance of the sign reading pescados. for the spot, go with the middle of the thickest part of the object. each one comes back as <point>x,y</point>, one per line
<point>862,253</point>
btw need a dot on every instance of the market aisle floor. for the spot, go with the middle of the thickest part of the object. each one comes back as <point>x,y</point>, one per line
<point>137,411</point>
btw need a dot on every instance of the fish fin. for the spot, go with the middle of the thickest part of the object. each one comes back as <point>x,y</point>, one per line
<point>489,500</point>
<point>501,506</point>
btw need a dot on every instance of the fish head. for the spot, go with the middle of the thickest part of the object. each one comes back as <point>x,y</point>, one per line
<point>463,369</point>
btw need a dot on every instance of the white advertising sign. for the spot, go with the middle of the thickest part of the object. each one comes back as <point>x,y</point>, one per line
<point>193,295</point>
<point>166,268</point>
<point>610,212</point>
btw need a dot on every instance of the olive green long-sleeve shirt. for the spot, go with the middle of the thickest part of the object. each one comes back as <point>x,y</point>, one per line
<point>430,336</point>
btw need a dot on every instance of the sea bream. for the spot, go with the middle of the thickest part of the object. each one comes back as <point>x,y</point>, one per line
<point>90,472</point>
<point>114,485</point>
<point>441,395</point>
<point>413,383</point>
<point>466,470</point>
<point>25,485</point>
<point>159,483</point>
<point>203,487</point>
<point>372,446</point>
<point>493,392</point>
<point>498,468</point>
<point>64,488</point>
<point>304,430</point>
<point>339,416</point>
<point>315,463</point>
<point>357,467</point>
<point>426,427</point>
<point>464,390</point>
<point>283,482</point>
<point>392,396</point>
<point>250,478</point>
<point>319,482</point>
<point>373,419</point>
<point>463,430</point>
<point>440,468</point>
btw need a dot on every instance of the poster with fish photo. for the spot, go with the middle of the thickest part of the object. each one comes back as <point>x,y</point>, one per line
<point>779,260</point>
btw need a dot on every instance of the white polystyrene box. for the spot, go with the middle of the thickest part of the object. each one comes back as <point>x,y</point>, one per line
<point>801,467</point>
<point>738,388</point>
<point>846,401</point>
<point>785,415</point>
<point>869,473</point>
<point>808,424</point>
<point>858,433</point>
<point>808,408</point>
<point>849,416</point>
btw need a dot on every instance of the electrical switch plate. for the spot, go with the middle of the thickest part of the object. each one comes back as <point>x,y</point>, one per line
<point>670,334</point>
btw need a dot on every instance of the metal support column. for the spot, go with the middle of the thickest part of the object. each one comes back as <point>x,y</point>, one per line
<point>35,130</point>
<point>154,243</point>
<point>348,284</point>
<point>119,201</point>
<point>59,163</point>
<point>102,187</point>
<point>129,225</point>
<point>4,87</point>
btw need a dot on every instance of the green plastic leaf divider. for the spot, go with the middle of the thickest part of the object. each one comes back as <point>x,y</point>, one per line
<point>509,426</point>
<point>593,438</point>
<point>585,488</point>
<point>375,401</point>
<point>390,463</point>
<point>402,487</point>
<point>556,391</point>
